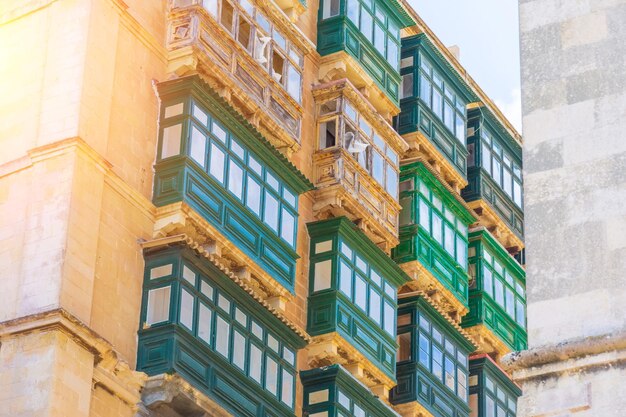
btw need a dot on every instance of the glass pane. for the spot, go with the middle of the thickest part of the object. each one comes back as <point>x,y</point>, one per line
<point>448,239</point>
<point>405,213</point>
<point>325,246</point>
<point>424,215</point>
<point>239,350</point>
<point>253,195</point>
<point>519,313</point>
<point>510,302</point>
<point>461,251</point>
<point>256,362</point>
<point>287,388</point>
<point>404,347</point>
<point>345,279</point>
<point>186,309</point>
<point>517,193</point>
<point>171,141</point>
<point>270,211</point>
<point>223,303</point>
<point>490,406</point>
<point>487,281</point>
<point>496,170</point>
<point>389,319</point>
<point>392,53</point>
<point>218,131</point>
<point>360,292</point>
<point>406,62</point>
<point>236,148</point>
<point>288,226</point>
<point>392,181</point>
<point>437,368</point>
<point>352,7</point>
<point>272,181</point>
<point>378,168</point>
<point>204,323</point>
<point>437,228</point>
<point>407,86</point>
<point>206,289</point>
<point>158,309</point>
<point>379,39</point>
<point>507,182</point>
<point>255,165</point>
<point>499,292</point>
<point>424,350</point>
<point>425,89</point>
<point>161,271</point>
<point>460,129</point>
<point>210,6</point>
<point>272,343</point>
<point>235,179</point>
<point>366,24</point>
<point>331,8</point>
<point>322,275</point>
<point>448,115</point>
<point>197,149</point>
<point>217,163</point>
<point>450,382</point>
<point>271,375</point>
<point>437,103</point>
<point>374,306</point>
<point>222,336</point>
<point>294,83</point>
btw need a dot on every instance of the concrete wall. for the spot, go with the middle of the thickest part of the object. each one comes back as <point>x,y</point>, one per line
<point>574,108</point>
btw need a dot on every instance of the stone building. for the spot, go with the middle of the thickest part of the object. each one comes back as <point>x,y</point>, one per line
<point>252,208</point>
<point>574,105</point>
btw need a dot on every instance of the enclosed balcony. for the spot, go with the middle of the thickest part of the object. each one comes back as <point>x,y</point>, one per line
<point>497,316</point>
<point>333,392</point>
<point>220,182</point>
<point>433,238</point>
<point>492,393</point>
<point>201,331</point>
<point>352,303</point>
<point>248,51</point>
<point>432,362</point>
<point>356,163</point>
<point>495,178</point>
<point>433,100</point>
<point>360,40</point>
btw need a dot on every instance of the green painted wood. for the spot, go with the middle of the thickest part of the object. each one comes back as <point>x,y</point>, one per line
<point>484,307</point>
<point>185,343</point>
<point>334,391</point>
<point>416,372</point>
<point>481,184</point>
<point>417,244</point>
<point>180,176</point>
<point>366,324</point>
<point>416,115</point>
<point>495,393</point>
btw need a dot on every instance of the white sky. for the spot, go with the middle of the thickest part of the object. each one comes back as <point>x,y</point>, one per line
<point>488,35</point>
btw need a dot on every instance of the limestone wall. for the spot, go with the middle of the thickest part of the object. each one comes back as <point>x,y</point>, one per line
<point>574,107</point>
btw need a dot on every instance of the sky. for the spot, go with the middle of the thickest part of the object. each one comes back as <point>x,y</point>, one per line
<point>488,35</point>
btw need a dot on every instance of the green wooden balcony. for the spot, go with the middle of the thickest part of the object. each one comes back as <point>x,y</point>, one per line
<point>352,302</point>
<point>497,296</point>
<point>495,174</point>
<point>212,161</point>
<point>433,237</point>
<point>197,323</point>
<point>333,392</point>
<point>432,365</point>
<point>433,100</point>
<point>492,393</point>
<point>368,31</point>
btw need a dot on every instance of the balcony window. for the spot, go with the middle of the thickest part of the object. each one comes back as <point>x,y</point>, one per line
<point>262,40</point>
<point>371,20</point>
<point>341,125</point>
<point>492,393</point>
<point>441,98</point>
<point>195,301</point>
<point>499,164</point>
<point>361,281</point>
<point>432,363</point>
<point>441,222</point>
<point>499,284</point>
<point>219,152</point>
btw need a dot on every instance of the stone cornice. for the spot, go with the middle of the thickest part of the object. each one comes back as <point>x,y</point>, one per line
<point>111,372</point>
<point>576,354</point>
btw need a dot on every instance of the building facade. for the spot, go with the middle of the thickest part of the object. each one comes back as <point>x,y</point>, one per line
<point>574,102</point>
<point>252,208</point>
